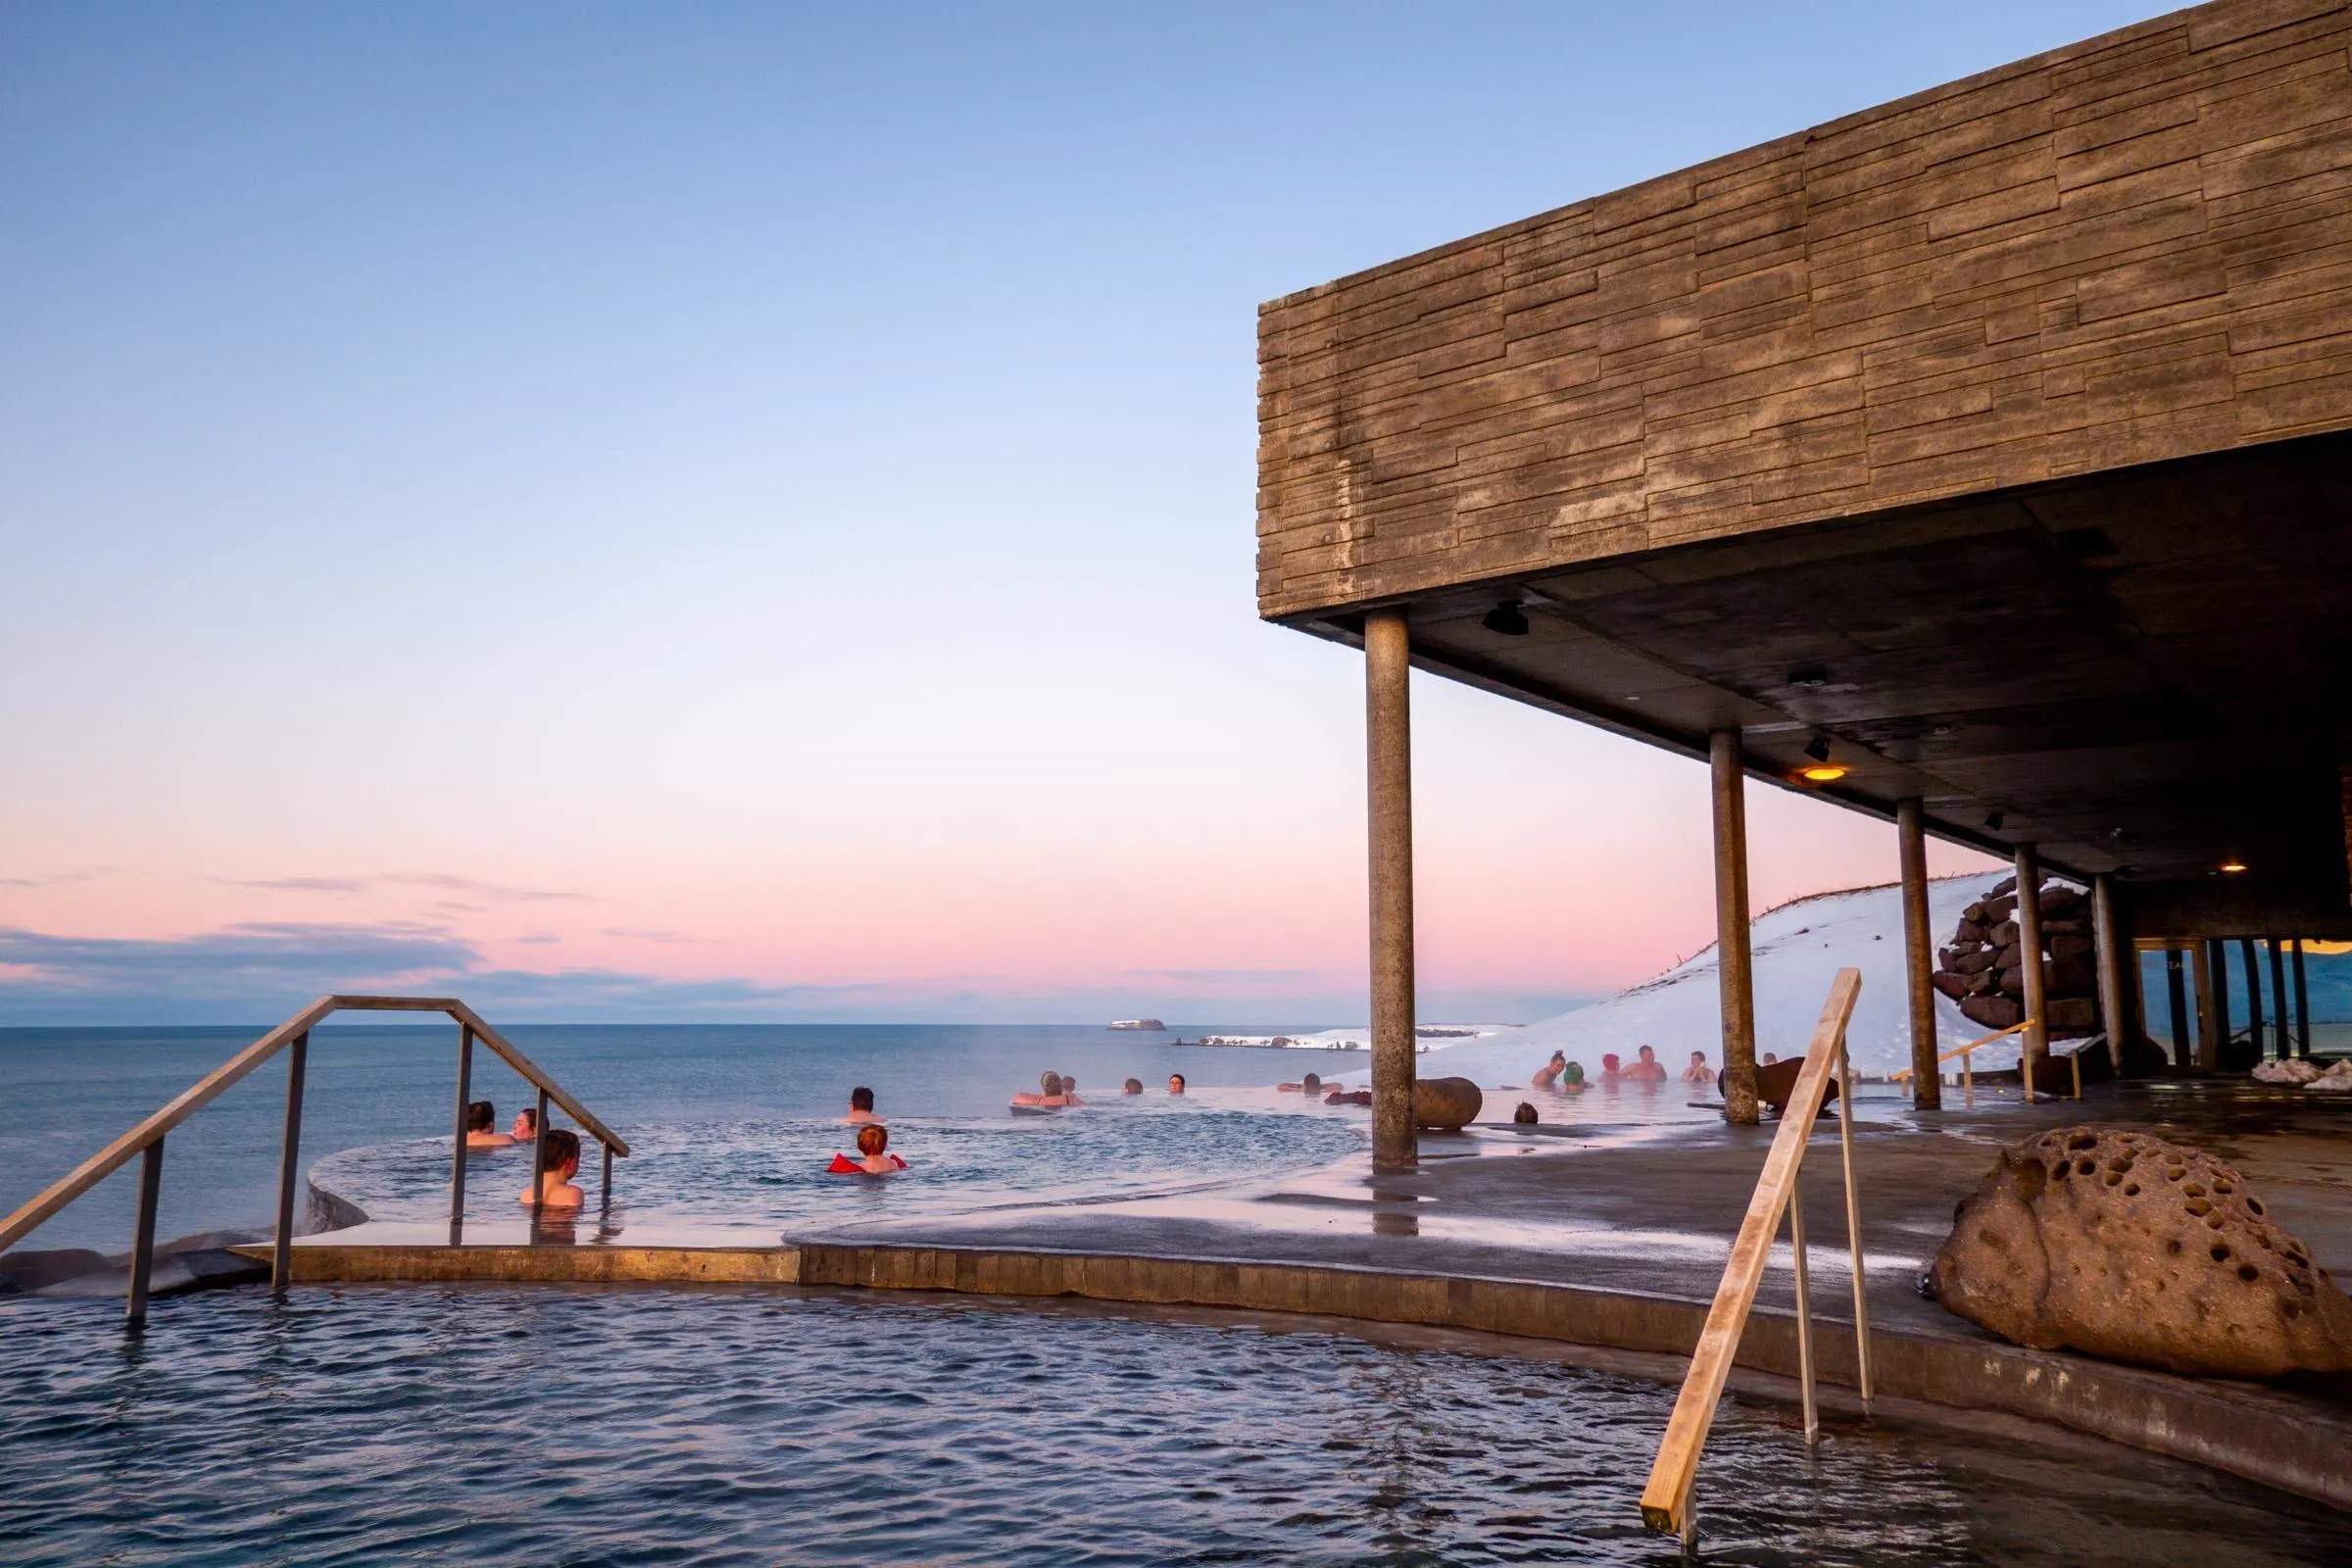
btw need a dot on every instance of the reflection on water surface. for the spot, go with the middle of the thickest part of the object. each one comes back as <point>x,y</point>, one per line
<point>498,1426</point>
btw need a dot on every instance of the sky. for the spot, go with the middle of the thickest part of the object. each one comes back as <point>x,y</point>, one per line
<point>746,511</point>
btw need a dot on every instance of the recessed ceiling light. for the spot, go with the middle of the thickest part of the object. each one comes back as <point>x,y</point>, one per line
<point>1506,620</point>
<point>1823,772</point>
<point>2232,865</point>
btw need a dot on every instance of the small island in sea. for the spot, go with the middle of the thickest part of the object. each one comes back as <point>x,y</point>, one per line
<point>1153,1024</point>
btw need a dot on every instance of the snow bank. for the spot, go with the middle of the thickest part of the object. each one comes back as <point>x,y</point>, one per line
<point>1798,949</point>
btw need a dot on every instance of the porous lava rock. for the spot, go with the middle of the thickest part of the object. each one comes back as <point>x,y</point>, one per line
<point>1446,1105</point>
<point>2124,1245</point>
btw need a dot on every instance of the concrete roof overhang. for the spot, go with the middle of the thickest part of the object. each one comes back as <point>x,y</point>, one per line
<point>2142,670</point>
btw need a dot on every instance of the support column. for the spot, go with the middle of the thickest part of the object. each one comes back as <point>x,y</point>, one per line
<point>1911,849</point>
<point>2245,954</point>
<point>2302,1007</point>
<point>1734,967</point>
<point>2182,1047</point>
<point>2220,999</point>
<point>2112,954</point>
<point>1389,757</point>
<point>2200,961</point>
<point>2278,1036</point>
<point>2029,957</point>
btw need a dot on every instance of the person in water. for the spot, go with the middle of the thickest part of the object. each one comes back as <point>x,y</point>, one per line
<point>1648,1070</point>
<point>874,1150</point>
<point>1048,1091</point>
<point>1610,1073</point>
<point>481,1119</point>
<point>1699,1072</point>
<point>1132,1086</point>
<point>1525,1115</point>
<point>861,1107</point>
<point>1069,1091</point>
<point>1572,1079</point>
<point>1550,1071</point>
<point>526,1126</point>
<point>559,1164</point>
<point>1175,1083</point>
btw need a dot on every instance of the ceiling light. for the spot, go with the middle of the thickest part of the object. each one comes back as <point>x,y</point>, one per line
<point>1506,620</point>
<point>2232,865</point>
<point>1823,772</point>
<point>1819,749</point>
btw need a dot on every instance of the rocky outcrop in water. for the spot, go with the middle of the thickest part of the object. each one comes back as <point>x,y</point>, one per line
<point>1446,1105</point>
<point>2121,1245</point>
<point>1983,968</point>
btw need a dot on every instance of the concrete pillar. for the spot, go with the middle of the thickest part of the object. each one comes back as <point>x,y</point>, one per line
<point>2029,956</point>
<point>2200,961</point>
<point>2116,981</point>
<point>1735,970</point>
<point>2302,1007</point>
<point>2278,1036</point>
<point>2220,970</point>
<point>1911,849</point>
<point>1389,757</point>
<point>2182,1045</point>
<point>2245,954</point>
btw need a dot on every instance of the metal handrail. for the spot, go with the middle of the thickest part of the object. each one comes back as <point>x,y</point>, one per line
<point>146,1140</point>
<point>1666,1499</point>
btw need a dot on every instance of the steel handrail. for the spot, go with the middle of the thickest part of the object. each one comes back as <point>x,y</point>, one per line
<point>1666,1500</point>
<point>147,1138</point>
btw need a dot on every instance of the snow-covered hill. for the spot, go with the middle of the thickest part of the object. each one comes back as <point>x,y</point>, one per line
<point>1798,949</point>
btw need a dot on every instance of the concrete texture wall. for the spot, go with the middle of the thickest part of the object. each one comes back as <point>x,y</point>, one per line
<point>2135,248</point>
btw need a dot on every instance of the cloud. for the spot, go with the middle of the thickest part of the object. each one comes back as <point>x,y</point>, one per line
<point>41,973</point>
<point>1226,977</point>
<point>640,934</point>
<point>346,886</point>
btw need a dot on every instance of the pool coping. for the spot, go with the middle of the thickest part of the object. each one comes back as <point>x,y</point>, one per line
<point>2277,1438</point>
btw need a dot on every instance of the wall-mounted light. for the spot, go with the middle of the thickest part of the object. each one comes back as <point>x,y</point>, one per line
<point>1506,620</point>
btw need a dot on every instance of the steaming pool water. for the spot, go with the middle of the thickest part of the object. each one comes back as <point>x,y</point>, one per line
<point>380,1425</point>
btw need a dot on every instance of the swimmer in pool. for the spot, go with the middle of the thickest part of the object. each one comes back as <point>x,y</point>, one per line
<point>1525,1115</point>
<point>1572,1079</point>
<point>873,1145</point>
<point>1610,1073</point>
<point>861,1107</point>
<point>1550,1070</point>
<point>1132,1086</point>
<point>526,1126</point>
<point>1175,1083</point>
<point>1069,1091</point>
<point>1648,1070</point>
<point>1699,1072</point>
<point>560,1163</point>
<point>1048,1091</point>
<point>479,1118</point>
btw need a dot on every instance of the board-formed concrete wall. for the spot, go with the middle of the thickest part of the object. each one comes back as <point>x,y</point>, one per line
<point>2136,248</point>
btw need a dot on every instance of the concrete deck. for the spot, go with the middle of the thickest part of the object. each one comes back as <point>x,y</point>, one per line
<point>1606,1234</point>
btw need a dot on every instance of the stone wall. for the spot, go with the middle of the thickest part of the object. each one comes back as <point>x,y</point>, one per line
<point>1982,967</point>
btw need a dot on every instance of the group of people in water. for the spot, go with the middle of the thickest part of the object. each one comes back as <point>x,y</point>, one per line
<point>559,1152</point>
<point>1568,1077</point>
<point>1055,1091</point>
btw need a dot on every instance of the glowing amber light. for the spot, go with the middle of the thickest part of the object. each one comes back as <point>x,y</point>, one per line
<point>2234,866</point>
<point>1824,772</point>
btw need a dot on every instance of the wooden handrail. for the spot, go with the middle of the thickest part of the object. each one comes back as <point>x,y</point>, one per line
<point>1666,1500</point>
<point>1901,1073</point>
<point>115,1155</point>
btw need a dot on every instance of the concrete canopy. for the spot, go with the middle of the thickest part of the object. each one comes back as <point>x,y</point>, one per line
<point>1996,437</point>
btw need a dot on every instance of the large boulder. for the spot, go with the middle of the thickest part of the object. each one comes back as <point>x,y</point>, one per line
<point>2121,1245</point>
<point>1993,1012</point>
<point>1446,1105</point>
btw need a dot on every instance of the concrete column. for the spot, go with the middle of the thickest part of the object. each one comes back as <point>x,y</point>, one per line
<point>2302,1007</point>
<point>2220,970</point>
<point>2116,981</point>
<point>1389,757</point>
<point>2279,1000</point>
<point>2200,962</point>
<point>2028,955</point>
<point>2182,1045</point>
<point>1911,849</point>
<point>1735,970</point>
<point>2246,953</point>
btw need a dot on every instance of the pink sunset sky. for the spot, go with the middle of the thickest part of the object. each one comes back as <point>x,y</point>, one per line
<point>749,514</point>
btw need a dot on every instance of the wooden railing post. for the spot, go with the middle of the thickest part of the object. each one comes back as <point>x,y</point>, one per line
<point>1804,1304</point>
<point>1853,1211</point>
<point>289,1167</point>
<point>142,1235</point>
<point>457,1156</point>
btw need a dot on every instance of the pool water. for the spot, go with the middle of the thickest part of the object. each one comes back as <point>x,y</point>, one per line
<point>494,1426</point>
<point>764,1170</point>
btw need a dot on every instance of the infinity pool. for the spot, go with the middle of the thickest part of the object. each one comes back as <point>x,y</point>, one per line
<point>498,1426</point>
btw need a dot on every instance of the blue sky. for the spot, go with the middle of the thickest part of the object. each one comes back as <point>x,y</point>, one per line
<point>777,482</point>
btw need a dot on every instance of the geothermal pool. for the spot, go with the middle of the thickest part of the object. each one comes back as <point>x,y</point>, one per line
<point>488,1424</point>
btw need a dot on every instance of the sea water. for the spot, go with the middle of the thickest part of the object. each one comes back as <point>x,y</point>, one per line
<point>732,1117</point>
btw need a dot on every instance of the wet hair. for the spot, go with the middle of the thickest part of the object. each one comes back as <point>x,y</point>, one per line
<point>1312,1082</point>
<point>872,1137</point>
<point>479,1115</point>
<point>862,1099</point>
<point>1051,1084</point>
<point>1525,1115</point>
<point>563,1147</point>
<point>1132,1086</point>
<point>1177,1079</point>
